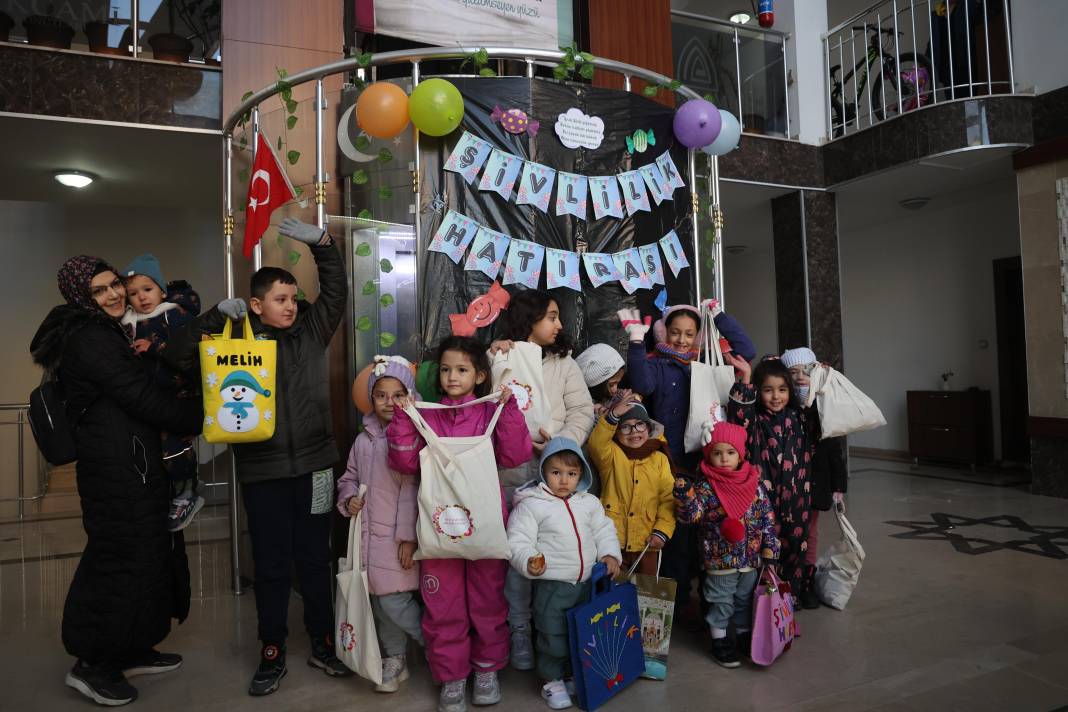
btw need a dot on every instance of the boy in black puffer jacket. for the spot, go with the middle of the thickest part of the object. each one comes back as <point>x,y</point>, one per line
<point>157,310</point>
<point>287,482</point>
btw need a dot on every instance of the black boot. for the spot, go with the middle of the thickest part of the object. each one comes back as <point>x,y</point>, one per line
<point>104,684</point>
<point>270,672</point>
<point>724,652</point>
<point>323,657</point>
<point>808,597</point>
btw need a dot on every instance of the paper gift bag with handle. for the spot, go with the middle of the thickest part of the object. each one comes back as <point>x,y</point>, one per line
<point>460,515</point>
<point>711,380</point>
<point>238,382</point>
<point>355,636</point>
<point>656,610</point>
<point>606,640</point>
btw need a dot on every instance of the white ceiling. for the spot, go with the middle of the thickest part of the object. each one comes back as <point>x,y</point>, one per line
<point>135,165</point>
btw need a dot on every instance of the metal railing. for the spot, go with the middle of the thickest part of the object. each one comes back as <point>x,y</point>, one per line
<point>743,67</point>
<point>529,59</point>
<point>898,56</point>
<point>20,423</point>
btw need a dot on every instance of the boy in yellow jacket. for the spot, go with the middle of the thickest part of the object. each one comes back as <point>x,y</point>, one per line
<point>637,478</point>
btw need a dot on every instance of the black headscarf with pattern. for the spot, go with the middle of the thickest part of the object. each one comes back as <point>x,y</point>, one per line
<point>75,279</point>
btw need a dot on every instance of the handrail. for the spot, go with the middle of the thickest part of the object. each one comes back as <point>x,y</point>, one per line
<point>853,18</point>
<point>430,53</point>
<point>14,406</point>
<point>22,410</point>
<point>731,25</point>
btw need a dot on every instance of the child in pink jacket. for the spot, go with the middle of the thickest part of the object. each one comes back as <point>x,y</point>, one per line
<point>465,619</point>
<point>390,507</point>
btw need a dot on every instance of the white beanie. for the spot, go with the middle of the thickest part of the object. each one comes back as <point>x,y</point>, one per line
<point>798,357</point>
<point>599,363</point>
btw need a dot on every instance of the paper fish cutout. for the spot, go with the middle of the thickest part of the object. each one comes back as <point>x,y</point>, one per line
<point>515,121</point>
<point>641,140</point>
<point>483,311</point>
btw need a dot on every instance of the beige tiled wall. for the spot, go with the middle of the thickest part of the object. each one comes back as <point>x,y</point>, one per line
<point>1043,305</point>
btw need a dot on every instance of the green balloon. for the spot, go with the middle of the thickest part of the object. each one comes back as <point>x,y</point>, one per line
<point>436,107</point>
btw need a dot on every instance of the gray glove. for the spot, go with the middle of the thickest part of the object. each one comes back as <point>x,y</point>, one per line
<point>235,309</point>
<point>303,232</point>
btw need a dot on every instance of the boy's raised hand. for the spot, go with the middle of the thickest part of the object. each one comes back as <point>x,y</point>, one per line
<point>624,402</point>
<point>303,232</point>
<point>235,308</point>
<point>536,565</point>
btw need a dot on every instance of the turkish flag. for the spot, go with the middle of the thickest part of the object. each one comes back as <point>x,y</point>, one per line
<point>268,188</point>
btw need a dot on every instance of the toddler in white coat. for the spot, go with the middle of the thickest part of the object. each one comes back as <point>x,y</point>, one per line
<point>557,532</point>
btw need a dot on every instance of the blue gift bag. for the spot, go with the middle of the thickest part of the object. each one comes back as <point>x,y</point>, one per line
<point>606,640</point>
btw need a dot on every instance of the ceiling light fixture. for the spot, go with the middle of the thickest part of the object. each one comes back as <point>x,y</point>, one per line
<point>75,179</point>
<point>741,18</point>
<point>914,203</point>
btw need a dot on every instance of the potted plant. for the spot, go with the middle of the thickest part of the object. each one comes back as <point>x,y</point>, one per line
<point>6,23</point>
<point>48,31</point>
<point>168,46</point>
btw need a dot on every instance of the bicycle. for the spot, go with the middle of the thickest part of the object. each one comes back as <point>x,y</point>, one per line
<point>911,80</point>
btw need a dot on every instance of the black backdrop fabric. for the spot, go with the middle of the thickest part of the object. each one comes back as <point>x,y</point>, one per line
<point>589,316</point>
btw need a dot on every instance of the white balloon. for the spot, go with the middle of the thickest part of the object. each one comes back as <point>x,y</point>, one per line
<point>343,141</point>
<point>730,133</point>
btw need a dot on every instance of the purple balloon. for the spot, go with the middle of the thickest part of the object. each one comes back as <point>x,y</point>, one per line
<point>697,123</point>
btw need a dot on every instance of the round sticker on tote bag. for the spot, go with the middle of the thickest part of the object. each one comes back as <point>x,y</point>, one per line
<point>453,520</point>
<point>524,395</point>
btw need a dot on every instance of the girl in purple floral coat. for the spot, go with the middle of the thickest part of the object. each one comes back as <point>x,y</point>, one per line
<point>782,443</point>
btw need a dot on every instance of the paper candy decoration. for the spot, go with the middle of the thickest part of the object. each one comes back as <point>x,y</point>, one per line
<point>668,169</point>
<point>651,262</point>
<point>536,186</point>
<point>600,268</point>
<point>515,121</point>
<point>640,141</point>
<point>605,196</point>
<point>634,195</point>
<point>483,311</point>
<point>500,174</point>
<point>523,265</point>
<point>562,269</point>
<point>631,273</point>
<point>487,252</point>
<point>571,194</point>
<point>468,156</point>
<point>676,257</point>
<point>454,235</point>
<point>656,182</point>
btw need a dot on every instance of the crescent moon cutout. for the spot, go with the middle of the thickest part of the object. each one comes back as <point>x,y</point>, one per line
<point>343,141</point>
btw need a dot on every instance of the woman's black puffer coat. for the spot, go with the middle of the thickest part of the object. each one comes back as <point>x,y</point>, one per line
<point>133,576</point>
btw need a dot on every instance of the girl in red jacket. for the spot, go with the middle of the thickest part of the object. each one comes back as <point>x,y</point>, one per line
<point>465,621</point>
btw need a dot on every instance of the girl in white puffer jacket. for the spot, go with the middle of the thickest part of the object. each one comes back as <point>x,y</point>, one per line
<point>557,532</point>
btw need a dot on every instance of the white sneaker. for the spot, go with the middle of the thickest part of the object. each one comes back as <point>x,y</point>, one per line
<point>555,695</point>
<point>487,689</point>
<point>394,672</point>
<point>453,697</point>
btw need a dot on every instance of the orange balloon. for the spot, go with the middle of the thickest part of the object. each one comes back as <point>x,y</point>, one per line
<point>361,395</point>
<point>382,110</point>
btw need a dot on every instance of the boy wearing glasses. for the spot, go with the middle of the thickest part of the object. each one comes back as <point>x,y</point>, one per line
<point>637,477</point>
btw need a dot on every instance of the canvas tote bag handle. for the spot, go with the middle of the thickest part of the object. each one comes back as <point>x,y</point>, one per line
<point>432,439</point>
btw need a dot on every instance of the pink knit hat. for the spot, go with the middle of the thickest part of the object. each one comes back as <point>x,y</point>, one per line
<point>733,435</point>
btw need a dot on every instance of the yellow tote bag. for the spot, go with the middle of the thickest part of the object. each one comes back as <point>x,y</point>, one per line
<point>239,387</point>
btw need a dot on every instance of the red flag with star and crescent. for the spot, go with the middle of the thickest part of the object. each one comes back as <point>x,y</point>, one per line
<point>268,189</point>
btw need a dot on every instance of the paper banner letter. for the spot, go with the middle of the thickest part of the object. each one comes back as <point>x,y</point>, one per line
<point>651,261</point>
<point>487,252</point>
<point>571,194</point>
<point>631,273</point>
<point>468,156</point>
<point>600,268</point>
<point>659,187</point>
<point>671,173</point>
<point>536,186</point>
<point>676,257</point>
<point>605,196</point>
<point>523,265</point>
<point>634,195</point>
<point>500,174</point>
<point>562,269</point>
<point>454,235</point>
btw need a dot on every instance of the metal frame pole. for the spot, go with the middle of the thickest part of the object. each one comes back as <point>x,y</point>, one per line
<point>949,47</point>
<point>934,71</point>
<point>257,251</point>
<point>853,57</point>
<point>233,488</point>
<point>320,179</point>
<point>897,64</point>
<point>830,97</point>
<point>717,230</point>
<point>691,159</point>
<point>882,69</point>
<point>20,419</point>
<point>867,84</point>
<point>417,218</point>
<point>1008,46</point>
<point>135,28</point>
<point>841,61</point>
<point>738,77</point>
<point>968,44</point>
<point>786,86</point>
<point>915,54</point>
<point>986,36</point>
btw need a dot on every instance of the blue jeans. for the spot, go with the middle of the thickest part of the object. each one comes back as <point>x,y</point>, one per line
<point>730,599</point>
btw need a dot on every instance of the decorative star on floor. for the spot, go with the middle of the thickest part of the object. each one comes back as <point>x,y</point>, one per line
<point>1038,539</point>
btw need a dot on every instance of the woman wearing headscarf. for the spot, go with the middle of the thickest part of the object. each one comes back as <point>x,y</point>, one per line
<point>133,576</point>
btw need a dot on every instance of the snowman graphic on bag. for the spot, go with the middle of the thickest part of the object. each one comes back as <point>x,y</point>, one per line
<point>238,413</point>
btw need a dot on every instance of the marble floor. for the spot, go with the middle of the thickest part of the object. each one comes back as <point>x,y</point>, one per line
<point>960,606</point>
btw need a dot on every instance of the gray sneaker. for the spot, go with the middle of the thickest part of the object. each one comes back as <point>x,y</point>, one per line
<point>522,654</point>
<point>453,697</point>
<point>487,689</point>
<point>394,672</point>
